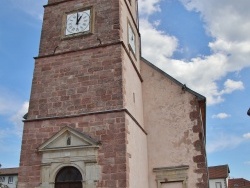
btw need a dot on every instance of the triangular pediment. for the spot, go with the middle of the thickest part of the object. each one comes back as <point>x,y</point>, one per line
<point>68,138</point>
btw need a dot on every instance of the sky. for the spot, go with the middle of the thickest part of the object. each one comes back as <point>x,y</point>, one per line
<point>204,44</point>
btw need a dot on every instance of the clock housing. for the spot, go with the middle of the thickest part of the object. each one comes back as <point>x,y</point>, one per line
<point>131,39</point>
<point>78,22</point>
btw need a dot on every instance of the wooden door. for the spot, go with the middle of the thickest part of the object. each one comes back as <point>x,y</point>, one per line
<point>68,185</point>
<point>68,177</point>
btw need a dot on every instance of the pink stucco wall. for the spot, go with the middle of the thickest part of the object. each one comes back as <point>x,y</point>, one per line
<point>171,138</point>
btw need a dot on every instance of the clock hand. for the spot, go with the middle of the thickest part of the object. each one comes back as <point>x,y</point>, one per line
<point>78,19</point>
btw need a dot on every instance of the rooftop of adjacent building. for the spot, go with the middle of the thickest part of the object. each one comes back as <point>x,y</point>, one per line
<point>238,183</point>
<point>217,172</point>
<point>9,171</point>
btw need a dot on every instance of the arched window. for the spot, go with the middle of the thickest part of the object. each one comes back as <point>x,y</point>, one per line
<point>68,177</point>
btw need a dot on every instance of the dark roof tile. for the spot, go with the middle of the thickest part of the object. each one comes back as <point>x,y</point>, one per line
<point>9,171</point>
<point>216,172</point>
<point>238,183</point>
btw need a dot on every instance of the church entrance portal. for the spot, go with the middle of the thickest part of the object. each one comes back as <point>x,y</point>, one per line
<point>68,177</point>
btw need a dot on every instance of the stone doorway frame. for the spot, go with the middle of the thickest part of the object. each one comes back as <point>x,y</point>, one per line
<point>171,174</point>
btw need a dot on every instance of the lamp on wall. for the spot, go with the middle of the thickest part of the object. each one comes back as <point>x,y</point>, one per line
<point>248,112</point>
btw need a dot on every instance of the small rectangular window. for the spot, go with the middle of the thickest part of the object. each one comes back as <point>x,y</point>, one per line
<point>218,185</point>
<point>2,179</point>
<point>10,180</point>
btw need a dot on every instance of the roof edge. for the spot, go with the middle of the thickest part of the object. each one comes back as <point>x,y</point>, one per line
<point>225,165</point>
<point>9,171</point>
<point>184,87</point>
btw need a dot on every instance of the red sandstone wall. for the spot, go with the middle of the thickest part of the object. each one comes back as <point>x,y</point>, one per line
<point>76,83</point>
<point>109,128</point>
<point>105,26</point>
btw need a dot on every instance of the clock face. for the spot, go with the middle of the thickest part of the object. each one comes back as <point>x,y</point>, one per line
<point>78,22</point>
<point>131,38</point>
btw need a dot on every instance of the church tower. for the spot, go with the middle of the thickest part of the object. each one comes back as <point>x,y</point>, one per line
<point>84,127</point>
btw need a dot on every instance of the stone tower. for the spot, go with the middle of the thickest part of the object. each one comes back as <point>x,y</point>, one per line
<point>84,126</point>
<point>100,115</point>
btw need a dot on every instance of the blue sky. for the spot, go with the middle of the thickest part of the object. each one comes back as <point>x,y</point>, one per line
<point>204,44</point>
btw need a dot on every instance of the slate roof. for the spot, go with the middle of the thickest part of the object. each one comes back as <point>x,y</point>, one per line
<point>238,183</point>
<point>218,172</point>
<point>8,171</point>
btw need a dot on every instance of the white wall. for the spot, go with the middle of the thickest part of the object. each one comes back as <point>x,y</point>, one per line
<point>6,179</point>
<point>212,183</point>
<point>138,160</point>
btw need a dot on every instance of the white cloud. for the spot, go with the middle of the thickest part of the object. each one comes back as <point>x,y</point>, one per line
<point>226,19</point>
<point>156,23</point>
<point>17,118</point>
<point>2,134</point>
<point>10,135</point>
<point>227,23</point>
<point>230,86</point>
<point>12,109</point>
<point>221,116</point>
<point>8,102</point>
<point>4,106</point>
<point>247,135</point>
<point>156,42</point>
<point>11,130</point>
<point>247,162</point>
<point>148,7</point>
<point>222,142</point>
<point>31,7</point>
